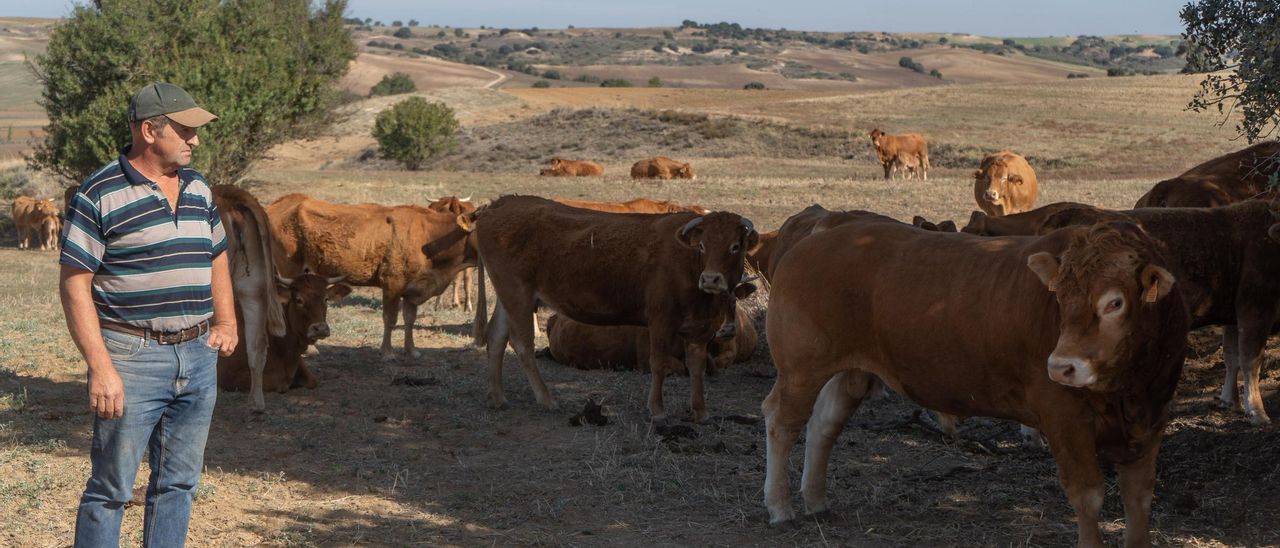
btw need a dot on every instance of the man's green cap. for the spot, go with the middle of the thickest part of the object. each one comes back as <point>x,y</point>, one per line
<point>170,100</point>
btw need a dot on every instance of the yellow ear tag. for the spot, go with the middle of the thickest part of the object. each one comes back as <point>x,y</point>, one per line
<point>1153,293</point>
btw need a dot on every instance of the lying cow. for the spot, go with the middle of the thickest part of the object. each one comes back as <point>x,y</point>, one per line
<point>36,221</point>
<point>1241,175</point>
<point>661,167</point>
<point>1004,184</point>
<point>572,168</point>
<point>672,273</point>
<point>410,252</point>
<point>1088,348</point>
<point>638,205</point>
<point>944,226</point>
<point>1017,224</point>
<point>305,316</point>
<point>908,149</point>
<point>587,346</point>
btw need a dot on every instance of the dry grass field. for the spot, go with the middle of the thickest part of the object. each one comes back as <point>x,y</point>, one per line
<point>405,453</point>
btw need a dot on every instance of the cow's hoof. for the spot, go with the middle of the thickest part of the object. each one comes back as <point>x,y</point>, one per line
<point>388,357</point>
<point>1229,404</point>
<point>660,420</point>
<point>784,525</point>
<point>499,404</point>
<point>825,515</point>
<point>1258,419</point>
<point>700,418</point>
<point>415,354</point>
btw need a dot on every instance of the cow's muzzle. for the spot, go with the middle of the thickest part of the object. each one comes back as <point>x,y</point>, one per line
<point>713,283</point>
<point>1075,372</point>
<point>991,195</point>
<point>728,330</point>
<point>317,331</point>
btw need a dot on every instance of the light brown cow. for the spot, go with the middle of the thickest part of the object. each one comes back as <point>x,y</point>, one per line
<point>408,251</point>
<point>672,273</point>
<point>638,205</point>
<point>251,261</point>
<point>305,317</point>
<point>906,149</point>
<point>1241,175</point>
<point>661,167</point>
<point>1089,348</point>
<point>465,280</point>
<point>587,346</point>
<point>909,164</point>
<point>1018,224</point>
<point>572,168</point>
<point>1004,184</point>
<point>38,221</point>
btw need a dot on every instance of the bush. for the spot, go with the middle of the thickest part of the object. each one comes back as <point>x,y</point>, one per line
<point>551,75</point>
<point>655,82</point>
<point>542,84</point>
<point>1074,75</point>
<point>413,22</point>
<point>397,23</point>
<point>266,68</point>
<point>415,130</point>
<point>1119,71</point>
<point>1009,42</point>
<point>393,84</point>
<point>403,32</point>
<point>907,62</point>
<point>458,32</point>
<point>936,73</point>
<point>587,78</point>
<point>615,83</point>
<point>753,85</point>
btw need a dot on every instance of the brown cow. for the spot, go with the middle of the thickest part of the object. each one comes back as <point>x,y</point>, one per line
<point>810,220</point>
<point>305,311</point>
<point>36,220</point>
<point>572,168</point>
<point>1018,224</point>
<point>944,226</point>
<point>661,167</point>
<point>1088,347</point>
<point>1004,184</point>
<point>465,280</point>
<point>251,261</point>
<point>1241,175</point>
<point>909,164</point>
<point>638,205</point>
<point>1227,261</point>
<point>672,273</point>
<point>409,251</point>
<point>587,346</point>
<point>906,149</point>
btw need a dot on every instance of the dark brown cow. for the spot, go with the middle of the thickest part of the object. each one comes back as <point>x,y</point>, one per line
<point>661,167</point>
<point>409,251</point>
<point>908,149</point>
<point>305,317</point>
<point>944,226</point>
<point>1227,261</point>
<point>587,346</point>
<point>1017,224</point>
<point>251,262</point>
<point>38,221</point>
<point>1241,175</point>
<point>1088,347</point>
<point>672,273</point>
<point>572,168</point>
<point>465,280</point>
<point>638,205</point>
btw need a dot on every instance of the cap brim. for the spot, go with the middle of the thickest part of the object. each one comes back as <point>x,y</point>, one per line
<point>192,117</point>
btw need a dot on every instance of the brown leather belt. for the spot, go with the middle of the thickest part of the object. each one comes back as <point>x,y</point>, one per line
<point>162,337</point>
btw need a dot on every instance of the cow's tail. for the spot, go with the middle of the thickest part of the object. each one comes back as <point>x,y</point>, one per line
<point>275,312</point>
<point>480,327</point>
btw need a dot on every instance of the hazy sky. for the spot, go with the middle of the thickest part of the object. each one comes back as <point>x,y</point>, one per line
<point>987,17</point>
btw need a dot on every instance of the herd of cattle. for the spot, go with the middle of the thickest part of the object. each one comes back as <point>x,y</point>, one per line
<point>1084,311</point>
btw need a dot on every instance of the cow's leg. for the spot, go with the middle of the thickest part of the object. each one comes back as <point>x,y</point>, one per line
<point>785,409</point>
<point>887,170</point>
<point>1253,337</point>
<point>255,347</point>
<point>23,238</point>
<point>695,362</point>
<point>836,403</point>
<point>497,350</point>
<point>1076,454</point>
<point>522,342</point>
<point>468,281</point>
<point>1231,362</point>
<point>1137,482</point>
<point>661,360</point>
<point>410,313</point>
<point>390,313</point>
<point>303,377</point>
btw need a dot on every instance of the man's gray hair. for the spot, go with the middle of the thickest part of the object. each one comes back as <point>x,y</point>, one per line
<point>159,122</point>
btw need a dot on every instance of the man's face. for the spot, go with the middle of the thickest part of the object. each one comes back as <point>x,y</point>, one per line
<point>174,143</point>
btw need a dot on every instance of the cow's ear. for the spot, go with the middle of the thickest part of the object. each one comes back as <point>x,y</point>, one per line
<point>947,226</point>
<point>337,292</point>
<point>1015,179</point>
<point>744,290</point>
<point>977,223</point>
<point>1045,265</point>
<point>688,234</point>
<point>467,221</point>
<point>977,174</point>
<point>752,240</point>
<point>1156,283</point>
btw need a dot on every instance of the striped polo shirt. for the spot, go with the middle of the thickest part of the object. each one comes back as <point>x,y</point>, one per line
<point>152,266</point>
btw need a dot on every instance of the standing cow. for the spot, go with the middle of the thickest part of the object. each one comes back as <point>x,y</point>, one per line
<point>1004,184</point>
<point>672,273</point>
<point>908,150</point>
<point>38,221</point>
<point>661,167</point>
<point>1089,348</point>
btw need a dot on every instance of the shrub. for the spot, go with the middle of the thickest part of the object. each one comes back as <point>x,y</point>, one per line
<point>907,62</point>
<point>459,33</point>
<point>393,84</point>
<point>541,84</point>
<point>415,130</point>
<point>655,82</point>
<point>1009,42</point>
<point>1074,75</point>
<point>551,75</point>
<point>936,73</point>
<point>397,23</point>
<point>413,22</point>
<point>587,78</point>
<point>753,85</point>
<point>615,83</point>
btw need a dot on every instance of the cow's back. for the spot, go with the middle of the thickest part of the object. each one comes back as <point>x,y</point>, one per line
<point>1189,191</point>
<point>333,239</point>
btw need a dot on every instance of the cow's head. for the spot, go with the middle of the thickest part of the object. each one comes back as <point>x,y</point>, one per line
<point>722,240</point>
<point>550,171</point>
<point>977,224</point>
<point>875,135</point>
<point>996,181</point>
<point>944,226</point>
<point>1109,284</point>
<point>305,301</point>
<point>685,171</point>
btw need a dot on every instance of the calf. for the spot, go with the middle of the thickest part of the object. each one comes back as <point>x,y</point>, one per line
<point>661,167</point>
<point>38,221</point>
<point>1089,347</point>
<point>305,311</point>
<point>671,273</point>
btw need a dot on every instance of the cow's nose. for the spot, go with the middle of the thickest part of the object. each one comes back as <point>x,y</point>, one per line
<point>712,282</point>
<point>1071,371</point>
<point>318,331</point>
<point>991,195</point>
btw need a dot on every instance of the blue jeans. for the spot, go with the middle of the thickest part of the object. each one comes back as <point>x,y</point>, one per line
<point>169,394</point>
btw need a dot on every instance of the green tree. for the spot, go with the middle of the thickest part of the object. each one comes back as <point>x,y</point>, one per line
<point>459,33</point>
<point>1234,43</point>
<point>403,33</point>
<point>265,67</point>
<point>655,82</point>
<point>753,85</point>
<point>393,84</point>
<point>415,130</point>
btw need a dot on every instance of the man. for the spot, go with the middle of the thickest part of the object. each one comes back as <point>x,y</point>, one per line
<point>147,295</point>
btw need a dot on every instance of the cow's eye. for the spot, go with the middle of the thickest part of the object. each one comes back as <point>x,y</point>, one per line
<point>297,301</point>
<point>1113,305</point>
<point>734,248</point>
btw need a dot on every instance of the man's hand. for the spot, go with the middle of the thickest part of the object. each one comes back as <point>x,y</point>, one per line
<point>223,337</point>
<point>106,392</point>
